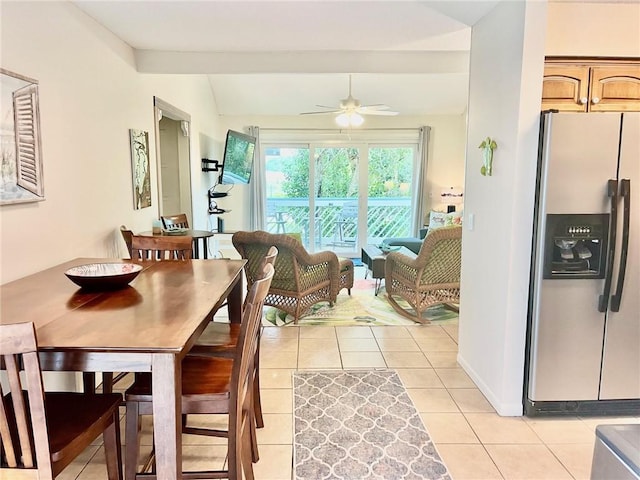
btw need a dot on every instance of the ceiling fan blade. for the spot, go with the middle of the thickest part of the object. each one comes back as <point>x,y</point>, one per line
<point>380,112</point>
<point>324,112</point>
<point>379,106</point>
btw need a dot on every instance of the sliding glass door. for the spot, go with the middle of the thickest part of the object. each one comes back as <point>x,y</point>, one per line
<point>389,179</point>
<point>335,195</point>
<point>358,193</point>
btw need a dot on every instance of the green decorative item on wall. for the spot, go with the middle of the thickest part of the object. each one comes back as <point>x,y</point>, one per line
<point>488,146</point>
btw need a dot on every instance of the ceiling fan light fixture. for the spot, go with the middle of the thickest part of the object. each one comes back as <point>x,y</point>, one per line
<point>349,119</point>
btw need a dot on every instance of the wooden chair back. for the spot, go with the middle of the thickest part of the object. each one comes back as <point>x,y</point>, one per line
<point>18,346</point>
<point>127,236</point>
<point>179,220</point>
<point>43,432</point>
<point>270,257</point>
<point>242,375</point>
<point>161,247</point>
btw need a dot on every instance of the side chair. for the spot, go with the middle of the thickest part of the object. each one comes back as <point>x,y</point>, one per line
<point>142,248</point>
<point>161,247</point>
<point>220,340</point>
<point>43,432</point>
<point>430,278</point>
<point>211,385</point>
<point>179,220</point>
<point>108,380</point>
<point>127,236</point>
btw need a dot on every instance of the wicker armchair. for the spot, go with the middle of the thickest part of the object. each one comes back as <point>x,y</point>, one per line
<point>301,279</point>
<point>429,278</point>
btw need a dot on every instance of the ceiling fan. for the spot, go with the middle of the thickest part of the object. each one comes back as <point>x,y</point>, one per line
<point>351,110</point>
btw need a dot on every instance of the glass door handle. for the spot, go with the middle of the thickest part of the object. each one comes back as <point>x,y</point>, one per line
<point>612,193</point>
<point>625,193</point>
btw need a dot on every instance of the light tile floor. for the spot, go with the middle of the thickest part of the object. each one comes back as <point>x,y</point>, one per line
<point>475,442</point>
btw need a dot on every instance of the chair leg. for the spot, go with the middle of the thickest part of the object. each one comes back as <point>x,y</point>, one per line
<point>112,452</point>
<point>132,440</point>
<point>246,449</point>
<point>257,403</point>
<point>234,458</point>
<point>253,439</point>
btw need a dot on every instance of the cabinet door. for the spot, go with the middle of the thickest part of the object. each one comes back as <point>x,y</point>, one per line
<point>565,88</point>
<point>615,89</point>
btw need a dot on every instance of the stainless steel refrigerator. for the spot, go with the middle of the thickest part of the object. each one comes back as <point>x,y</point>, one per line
<point>583,336</point>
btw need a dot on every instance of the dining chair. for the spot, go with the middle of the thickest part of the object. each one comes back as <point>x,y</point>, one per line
<point>161,247</point>
<point>145,248</point>
<point>43,432</point>
<point>211,385</point>
<point>127,236</point>
<point>108,380</point>
<point>220,340</point>
<point>179,220</point>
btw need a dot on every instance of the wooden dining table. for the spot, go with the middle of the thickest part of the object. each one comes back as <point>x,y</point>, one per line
<point>146,327</point>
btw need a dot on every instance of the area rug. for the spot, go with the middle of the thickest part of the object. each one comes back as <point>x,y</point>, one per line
<point>362,307</point>
<point>357,425</point>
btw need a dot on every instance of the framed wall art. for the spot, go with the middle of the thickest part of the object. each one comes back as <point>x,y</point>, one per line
<point>21,160</point>
<point>140,168</point>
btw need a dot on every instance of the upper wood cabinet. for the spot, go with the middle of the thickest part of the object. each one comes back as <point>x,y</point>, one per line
<point>591,87</point>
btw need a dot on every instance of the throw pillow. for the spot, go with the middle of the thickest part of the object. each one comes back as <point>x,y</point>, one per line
<point>441,219</point>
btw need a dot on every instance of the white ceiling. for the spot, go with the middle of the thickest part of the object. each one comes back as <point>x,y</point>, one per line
<point>284,57</point>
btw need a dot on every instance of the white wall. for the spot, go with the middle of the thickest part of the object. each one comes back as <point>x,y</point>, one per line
<point>446,159</point>
<point>507,58</point>
<point>593,29</point>
<point>90,96</point>
<point>504,103</point>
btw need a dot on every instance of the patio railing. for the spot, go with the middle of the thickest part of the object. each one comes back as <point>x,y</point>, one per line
<point>335,221</point>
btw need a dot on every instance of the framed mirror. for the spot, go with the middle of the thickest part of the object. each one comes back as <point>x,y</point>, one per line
<point>21,178</point>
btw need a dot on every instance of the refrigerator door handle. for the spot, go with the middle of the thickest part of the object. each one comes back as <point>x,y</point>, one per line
<point>625,193</point>
<point>612,193</point>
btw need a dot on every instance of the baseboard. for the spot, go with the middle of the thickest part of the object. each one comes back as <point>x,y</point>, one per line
<point>503,409</point>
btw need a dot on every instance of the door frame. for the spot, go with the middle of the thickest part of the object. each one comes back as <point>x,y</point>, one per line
<point>164,109</point>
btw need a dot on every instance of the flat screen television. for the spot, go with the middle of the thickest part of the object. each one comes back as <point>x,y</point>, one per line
<point>237,161</point>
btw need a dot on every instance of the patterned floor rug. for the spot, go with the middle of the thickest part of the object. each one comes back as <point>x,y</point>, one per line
<point>357,425</point>
<point>362,307</point>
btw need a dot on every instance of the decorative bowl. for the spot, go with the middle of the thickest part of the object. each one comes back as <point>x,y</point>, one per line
<point>388,248</point>
<point>103,276</point>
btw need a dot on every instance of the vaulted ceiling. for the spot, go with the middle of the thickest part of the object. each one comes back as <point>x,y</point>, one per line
<point>285,57</point>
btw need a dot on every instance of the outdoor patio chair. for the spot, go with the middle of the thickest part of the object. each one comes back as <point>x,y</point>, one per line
<point>302,279</point>
<point>429,278</point>
<point>346,225</point>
